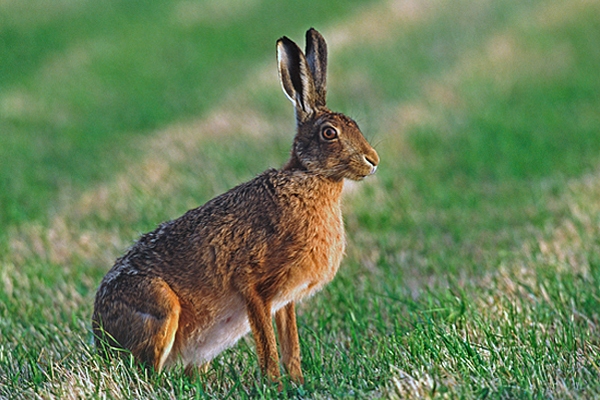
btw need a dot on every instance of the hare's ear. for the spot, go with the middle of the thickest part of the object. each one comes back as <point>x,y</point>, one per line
<point>316,56</point>
<point>296,79</point>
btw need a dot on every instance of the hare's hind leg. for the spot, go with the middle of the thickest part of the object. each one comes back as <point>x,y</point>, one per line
<point>287,330</point>
<point>143,319</point>
<point>159,325</point>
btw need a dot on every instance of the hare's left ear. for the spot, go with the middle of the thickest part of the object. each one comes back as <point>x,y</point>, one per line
<point>296,78</point>
<point>316,56</point>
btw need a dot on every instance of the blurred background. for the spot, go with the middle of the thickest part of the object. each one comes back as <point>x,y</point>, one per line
<point>84,84</point>
<point>118,115</point>
<point>474,90</point>
<point>495,90</point>
<point>137,111</point>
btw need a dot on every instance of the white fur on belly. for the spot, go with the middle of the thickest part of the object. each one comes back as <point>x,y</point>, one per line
<point>203,346</point>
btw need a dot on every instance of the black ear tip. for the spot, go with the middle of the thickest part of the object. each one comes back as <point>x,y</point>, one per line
<point>311,32</point>
<point>283,39</point>
<point>285,45</point>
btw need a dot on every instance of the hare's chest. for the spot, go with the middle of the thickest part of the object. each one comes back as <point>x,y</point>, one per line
<point>334,245</point>
<point>329,246</point>
<point>319,260</point>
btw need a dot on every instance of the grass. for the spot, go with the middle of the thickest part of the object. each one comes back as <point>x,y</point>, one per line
<point>473,261</point>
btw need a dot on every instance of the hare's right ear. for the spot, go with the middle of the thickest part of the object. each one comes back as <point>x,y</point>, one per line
<point>316,56</point>
<point>296,78</point>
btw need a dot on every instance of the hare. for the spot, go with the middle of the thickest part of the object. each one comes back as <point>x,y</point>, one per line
<point>197,284</point>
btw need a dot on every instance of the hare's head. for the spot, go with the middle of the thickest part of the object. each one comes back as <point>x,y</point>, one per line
<point>326,143</point>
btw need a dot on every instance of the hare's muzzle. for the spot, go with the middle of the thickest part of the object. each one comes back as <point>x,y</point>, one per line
<point>372,164</point>
<point>372,159</point>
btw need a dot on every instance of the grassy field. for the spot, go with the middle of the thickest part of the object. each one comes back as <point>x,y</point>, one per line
<point>473,257</point>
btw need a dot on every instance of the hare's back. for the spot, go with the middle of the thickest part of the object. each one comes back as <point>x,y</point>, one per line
<point>200,248</point>
<point>277,221</point>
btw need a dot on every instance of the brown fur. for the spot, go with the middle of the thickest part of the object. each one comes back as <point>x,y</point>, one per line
<point>192,287</point>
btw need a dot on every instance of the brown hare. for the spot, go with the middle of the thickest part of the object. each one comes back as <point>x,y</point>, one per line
<point>194,286</point>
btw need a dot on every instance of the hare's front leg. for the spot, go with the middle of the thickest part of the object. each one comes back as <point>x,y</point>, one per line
<point>259,316</point>
<point>287,331</point>
<point>193,370</point>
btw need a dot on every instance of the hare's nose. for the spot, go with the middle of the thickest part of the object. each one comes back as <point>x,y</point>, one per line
<point>372,160</point>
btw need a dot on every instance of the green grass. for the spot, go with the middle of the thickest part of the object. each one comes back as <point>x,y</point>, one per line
<point>473,260</point>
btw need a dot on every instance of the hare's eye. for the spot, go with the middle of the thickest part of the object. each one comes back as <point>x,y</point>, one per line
<point>329,133</point>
